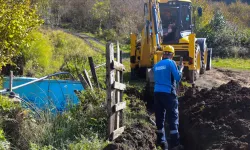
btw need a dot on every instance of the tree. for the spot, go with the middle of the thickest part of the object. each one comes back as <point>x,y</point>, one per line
<point>17,20</point>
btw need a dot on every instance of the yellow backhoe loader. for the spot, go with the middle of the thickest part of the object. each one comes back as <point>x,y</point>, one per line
<point>169,22</point>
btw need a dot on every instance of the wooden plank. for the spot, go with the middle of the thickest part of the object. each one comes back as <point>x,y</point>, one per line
<point>118,66</point>
<point>117,133</point>
<point>86,76</point>
<point>117,83</point>
<point>83,81</point>
<point>119,86</point>
<point>110,78</point>
<point>92,68</point>
<point>121,92</point>
<point>119,106</point>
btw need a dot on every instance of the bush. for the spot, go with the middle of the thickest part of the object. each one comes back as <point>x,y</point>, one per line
<point>11,117</point>
<point>75,128</point>
<point>18,19</point>
<point>226,39</point>
<point>4,144</point>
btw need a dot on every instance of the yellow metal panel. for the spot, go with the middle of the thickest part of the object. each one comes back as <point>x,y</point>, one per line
<point>180,47</point>
<point>145,60</point>
<point>184,40</point>
<point>133,44</point>
<point>155,58</point>
<point>192,50</point>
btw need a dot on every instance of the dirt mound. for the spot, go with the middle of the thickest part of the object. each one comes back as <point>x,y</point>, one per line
<point>135,137</point>
<point>218,76</point>
<point>216,119</point>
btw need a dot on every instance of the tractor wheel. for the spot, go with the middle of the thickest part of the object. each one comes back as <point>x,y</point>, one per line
<point>209,59</point>
<point>193,75</point>
<point>203,46</point>
<point>198,62</point>
<point>203,65</point>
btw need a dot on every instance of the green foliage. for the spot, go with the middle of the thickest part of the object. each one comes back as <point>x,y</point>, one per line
<point>109,35</point>
<point>4,144</point>
<point>18,18</point>
<point>226,39</point>
<point>88,144</point>
<point>75,128</point>
<point>8,113</point>
<point>6,105</point>
<point>53,51</point>
<point>201,22</point>
<point>100,12</point>
<point>95,97</point>
<point>98,45</point>
<point>38,54</point>
<point>34,146</point>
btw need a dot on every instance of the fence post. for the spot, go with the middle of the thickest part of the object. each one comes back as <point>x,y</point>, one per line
<point>121,93</point>
<point>93,72</point>
<point>11,81</point>
<point>114,88</point>
<point>118,98</point>
<point>110,74</point>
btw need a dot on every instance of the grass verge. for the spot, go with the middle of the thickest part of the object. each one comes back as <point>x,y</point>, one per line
<point>232,63</point>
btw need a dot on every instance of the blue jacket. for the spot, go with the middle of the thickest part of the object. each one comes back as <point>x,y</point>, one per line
<point>165,76</point>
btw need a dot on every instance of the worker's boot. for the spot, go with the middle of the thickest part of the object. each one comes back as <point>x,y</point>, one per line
<point>164,146</point>
<point>179,147</point>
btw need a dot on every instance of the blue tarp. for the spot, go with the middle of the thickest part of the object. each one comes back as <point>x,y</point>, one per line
<point>52,94</point>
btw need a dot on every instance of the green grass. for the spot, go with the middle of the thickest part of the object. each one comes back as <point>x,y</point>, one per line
<point>232,63</point>
<point>95,37</point>
<point>98,45</point>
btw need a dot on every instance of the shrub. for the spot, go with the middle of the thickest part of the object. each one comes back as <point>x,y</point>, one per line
<point>78,126</point>
<point>4,144</point>
<point>18,19</point>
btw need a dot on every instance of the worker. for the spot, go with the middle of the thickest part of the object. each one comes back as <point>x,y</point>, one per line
<point>168,26</point>
<point>166,103</point>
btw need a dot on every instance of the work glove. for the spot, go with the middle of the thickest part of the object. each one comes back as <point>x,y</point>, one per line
<point>181,67</point>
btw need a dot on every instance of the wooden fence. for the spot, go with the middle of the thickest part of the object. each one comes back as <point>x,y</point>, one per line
<point>114,75</point>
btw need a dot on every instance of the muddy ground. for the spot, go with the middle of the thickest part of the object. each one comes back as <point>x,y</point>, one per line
<point>213,115</point>
<point>216,119</point>
<point>136,137</point>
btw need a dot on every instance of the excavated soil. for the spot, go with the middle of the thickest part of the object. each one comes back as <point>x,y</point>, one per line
<point>135,137</point>
<point>216,119</point>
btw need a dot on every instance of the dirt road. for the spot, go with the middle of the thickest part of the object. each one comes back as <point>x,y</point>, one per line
<point>217,77</point>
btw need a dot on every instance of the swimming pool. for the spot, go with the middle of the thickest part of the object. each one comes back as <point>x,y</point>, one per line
<point>52,94</point>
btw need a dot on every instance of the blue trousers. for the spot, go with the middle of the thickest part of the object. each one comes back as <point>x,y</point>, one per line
<point>166,106</point>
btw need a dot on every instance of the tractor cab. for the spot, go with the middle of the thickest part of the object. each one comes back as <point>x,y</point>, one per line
<point>175,20</point>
